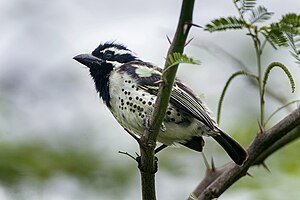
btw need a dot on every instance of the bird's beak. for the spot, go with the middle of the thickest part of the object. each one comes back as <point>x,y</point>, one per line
<point>88,60</point>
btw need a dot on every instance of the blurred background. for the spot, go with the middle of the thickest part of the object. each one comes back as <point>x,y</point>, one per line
<point>59,142</point>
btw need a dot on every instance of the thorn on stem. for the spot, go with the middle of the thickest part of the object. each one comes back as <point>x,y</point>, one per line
<point>248,174</point>
<point>206,162</point>
<point>265,166</point>
<point>213,167</point>
<point>196,25</point>
<point>188,42</point>
<point>169,40</point>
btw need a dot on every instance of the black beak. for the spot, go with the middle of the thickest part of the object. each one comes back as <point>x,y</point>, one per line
<point>88,60</point>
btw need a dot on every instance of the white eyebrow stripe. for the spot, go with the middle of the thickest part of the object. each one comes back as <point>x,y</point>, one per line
<point>119,51</point>
<point>115,63</point>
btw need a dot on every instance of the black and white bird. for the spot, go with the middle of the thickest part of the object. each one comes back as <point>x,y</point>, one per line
<point>129,87</point>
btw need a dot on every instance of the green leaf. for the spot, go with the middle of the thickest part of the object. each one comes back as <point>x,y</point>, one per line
<point>289,23</point>
<point>286,71</point>
<point>245,5</point>
<point>259,14</point>
<point>177,58</point>
<point>222,24</point>
<point>291,19</point>
<point>238,73</point>
<point>276,35</point>
<point>294,43</point>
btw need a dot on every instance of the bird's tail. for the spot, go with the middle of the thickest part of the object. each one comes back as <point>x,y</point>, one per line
<point>232,147</point>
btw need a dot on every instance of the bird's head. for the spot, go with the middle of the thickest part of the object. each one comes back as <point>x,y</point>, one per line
<point>114,53</point>
<point>105,58</point>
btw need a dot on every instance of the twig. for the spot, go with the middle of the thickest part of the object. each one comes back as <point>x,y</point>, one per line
<point>261,147</point>
<point>148,138</point>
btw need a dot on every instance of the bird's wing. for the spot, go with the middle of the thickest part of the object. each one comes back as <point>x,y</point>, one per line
<point>182,97</point>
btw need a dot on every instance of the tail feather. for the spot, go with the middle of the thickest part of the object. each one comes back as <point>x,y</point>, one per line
<point>232,147</point>
<point>196,143</point>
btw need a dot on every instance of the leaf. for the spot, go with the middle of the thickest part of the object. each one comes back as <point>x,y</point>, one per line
<point>291,19</point>
<point>177,58</point>
<point>289,23</point>
<point>294,43</point>
<point>276,35</point>
<point>245,5</point>
<point>222,24</point>
<point>285,70</point>
<point>238,73</point>
<point>259,14</point>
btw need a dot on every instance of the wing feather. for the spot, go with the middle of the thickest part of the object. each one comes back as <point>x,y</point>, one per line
<point>181,96</point>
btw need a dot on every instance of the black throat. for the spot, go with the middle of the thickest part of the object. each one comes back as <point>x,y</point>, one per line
<point>100,75</point>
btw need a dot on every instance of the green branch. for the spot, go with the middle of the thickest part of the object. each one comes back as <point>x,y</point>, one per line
<point>225,89</point>
<point>267,73</point>
<point>148,138</point>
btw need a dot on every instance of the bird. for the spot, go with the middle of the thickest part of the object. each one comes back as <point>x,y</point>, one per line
<point>129,87</point>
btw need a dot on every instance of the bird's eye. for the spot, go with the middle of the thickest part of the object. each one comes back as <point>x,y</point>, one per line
<point>108,55</point>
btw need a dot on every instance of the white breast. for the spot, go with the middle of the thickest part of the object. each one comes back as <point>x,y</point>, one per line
<point>131,106</point>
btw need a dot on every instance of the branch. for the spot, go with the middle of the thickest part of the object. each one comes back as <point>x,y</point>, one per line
<point>148,138</point>
<point>262,146</point>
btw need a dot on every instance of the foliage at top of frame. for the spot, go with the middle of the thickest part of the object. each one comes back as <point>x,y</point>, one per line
<point>285,32</point>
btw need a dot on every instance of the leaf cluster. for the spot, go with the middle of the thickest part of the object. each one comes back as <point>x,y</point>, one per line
<point>284,32</point>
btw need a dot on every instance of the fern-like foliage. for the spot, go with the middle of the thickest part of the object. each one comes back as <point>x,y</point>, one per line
<point>223,23</point>
<point>244,5</point>
<point>259,14</point>
<point>294,43</point>
<point>285,32</point>
<point>291,23</point>
<point>276,35</point>
<point>286,71</point>
<point>178,58</point>
<point>234,75</point>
